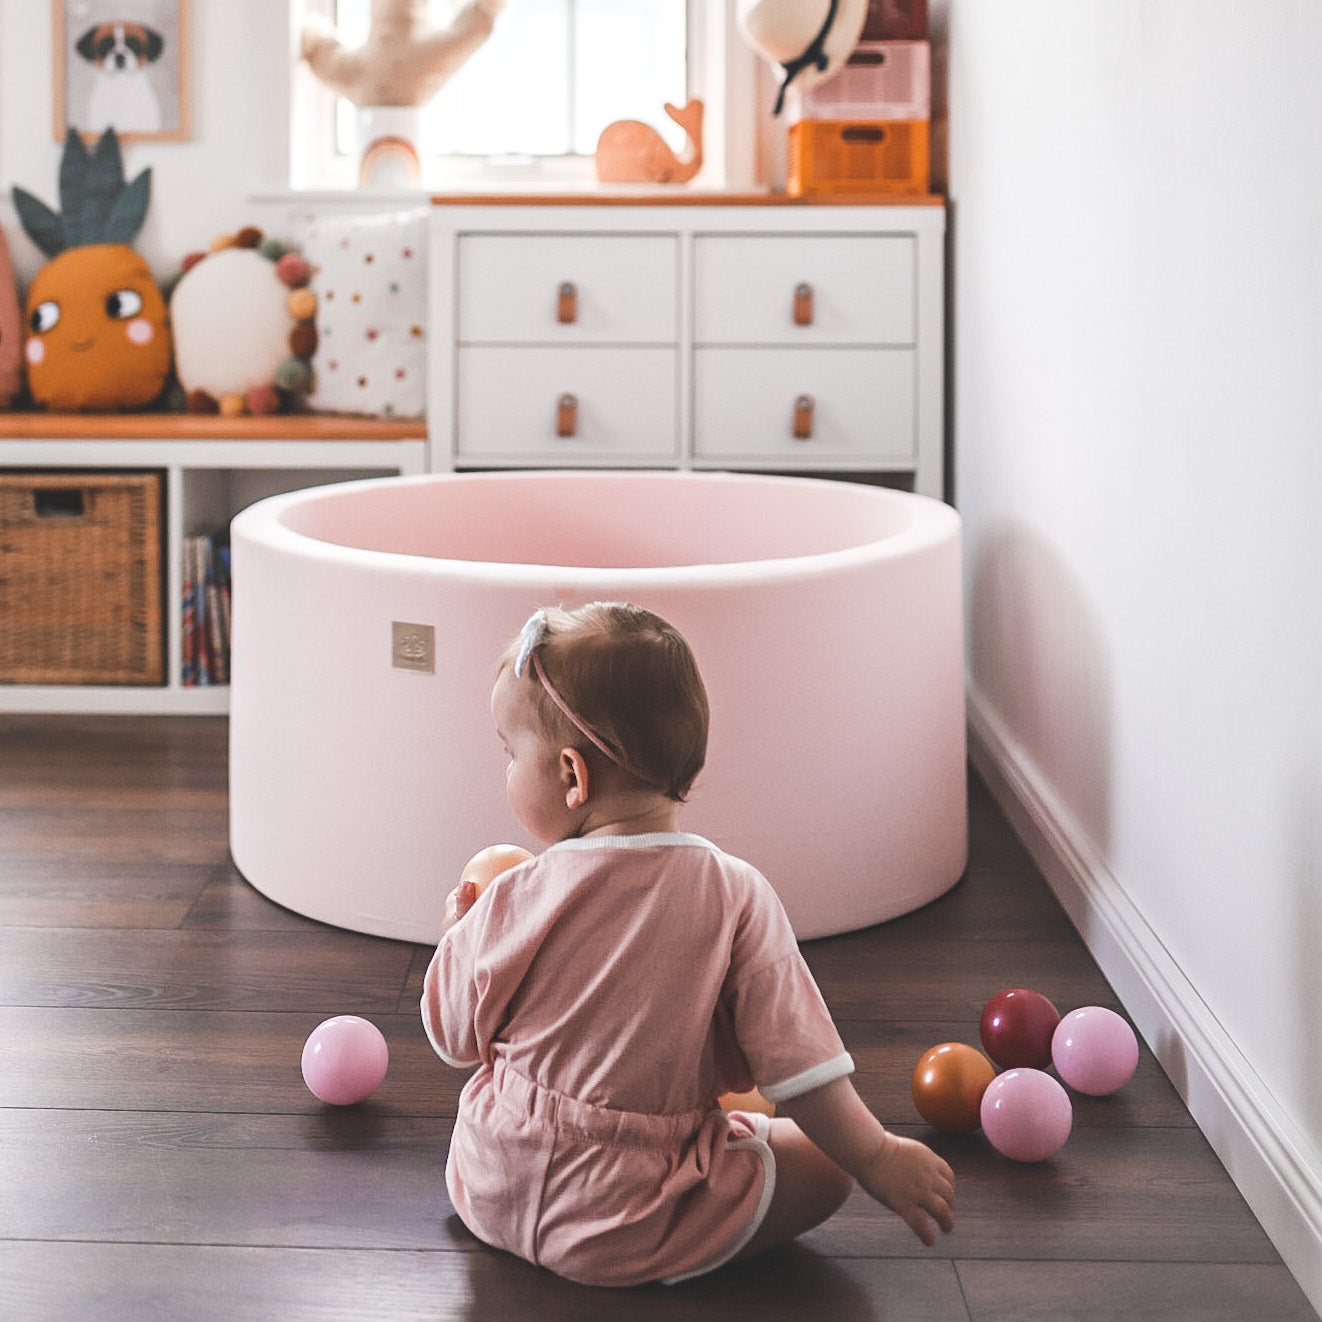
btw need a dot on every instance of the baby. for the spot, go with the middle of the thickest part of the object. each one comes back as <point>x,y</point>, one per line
<point>612,988</point>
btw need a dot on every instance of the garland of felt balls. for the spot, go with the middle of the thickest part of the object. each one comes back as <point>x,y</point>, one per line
<point>294,375</point>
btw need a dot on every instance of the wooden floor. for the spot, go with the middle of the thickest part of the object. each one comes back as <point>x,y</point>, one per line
<point>161,1159</point>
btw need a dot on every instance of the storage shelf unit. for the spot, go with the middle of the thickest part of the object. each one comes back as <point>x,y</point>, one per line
<point>209,476</point>
<point>632,329</point>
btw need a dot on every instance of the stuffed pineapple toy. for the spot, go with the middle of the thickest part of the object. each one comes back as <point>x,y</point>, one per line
<point>98,334</point>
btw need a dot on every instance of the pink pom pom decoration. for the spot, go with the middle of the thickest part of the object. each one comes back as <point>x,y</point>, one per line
<point>263,400</point>
<point>293,270</point>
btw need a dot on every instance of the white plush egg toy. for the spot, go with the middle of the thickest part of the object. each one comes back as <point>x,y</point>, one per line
<point>243,326</point>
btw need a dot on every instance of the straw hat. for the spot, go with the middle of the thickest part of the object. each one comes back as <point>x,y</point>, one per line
<point>808,39</point>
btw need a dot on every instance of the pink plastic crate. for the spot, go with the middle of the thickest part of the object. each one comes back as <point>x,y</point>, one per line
<point>880,80</point>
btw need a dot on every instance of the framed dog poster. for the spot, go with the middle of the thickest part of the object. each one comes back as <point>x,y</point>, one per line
<point>122,64</point>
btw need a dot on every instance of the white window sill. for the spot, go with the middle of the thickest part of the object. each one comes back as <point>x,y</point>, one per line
<point>382,199</point>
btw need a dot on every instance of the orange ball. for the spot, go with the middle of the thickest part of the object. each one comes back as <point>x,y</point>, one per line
<point>948,1083</point>
<point>487,864</point>
<point>747,1101</point>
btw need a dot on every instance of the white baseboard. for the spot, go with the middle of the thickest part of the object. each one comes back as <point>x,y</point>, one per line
<point>1272,1162</point>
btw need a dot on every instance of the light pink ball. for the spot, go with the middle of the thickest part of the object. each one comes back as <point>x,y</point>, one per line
<point>344,1060</point>
<point>1026,1115</point>
<point>1094,1050</point>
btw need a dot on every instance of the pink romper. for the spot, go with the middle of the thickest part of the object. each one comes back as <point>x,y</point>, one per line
<point>609,991</point>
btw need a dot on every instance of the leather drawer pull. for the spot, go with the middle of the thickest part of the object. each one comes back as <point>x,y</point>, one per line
<point>566,303</point>
<point>566,415</point>
<point>803,415</point>
<point>803,298</point>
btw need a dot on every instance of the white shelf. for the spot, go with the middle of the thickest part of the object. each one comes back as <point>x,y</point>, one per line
<point>208,479</point>
<point>113,700</point>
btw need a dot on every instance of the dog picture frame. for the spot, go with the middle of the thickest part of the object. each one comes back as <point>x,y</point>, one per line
<point>122,64</point>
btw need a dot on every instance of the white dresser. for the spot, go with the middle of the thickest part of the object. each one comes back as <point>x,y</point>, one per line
<point>699,332</point>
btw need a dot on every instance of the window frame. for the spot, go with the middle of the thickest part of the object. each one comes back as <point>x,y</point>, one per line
<point>723,73</point>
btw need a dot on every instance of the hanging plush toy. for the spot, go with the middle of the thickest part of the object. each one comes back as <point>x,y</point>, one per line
<point>404,61</point>
<point>98,337</point>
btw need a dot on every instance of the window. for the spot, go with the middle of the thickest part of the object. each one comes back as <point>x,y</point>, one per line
<point>535,97</point>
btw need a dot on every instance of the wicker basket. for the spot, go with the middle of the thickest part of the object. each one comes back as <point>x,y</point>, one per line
<point>80,578</point>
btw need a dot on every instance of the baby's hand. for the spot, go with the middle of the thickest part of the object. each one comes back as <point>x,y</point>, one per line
<point>915,1183</point>
<point>457,903</point>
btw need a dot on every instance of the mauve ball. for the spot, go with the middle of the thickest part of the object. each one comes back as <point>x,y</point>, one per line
<point>1094,1050</point>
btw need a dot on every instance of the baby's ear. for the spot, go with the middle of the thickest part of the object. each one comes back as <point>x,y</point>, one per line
<point>574,778</point>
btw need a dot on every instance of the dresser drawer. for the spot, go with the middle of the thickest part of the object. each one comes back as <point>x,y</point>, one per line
<point>862,413</point>
<point>859,289</point>
<point>623,410</point>
<point>615,288</point>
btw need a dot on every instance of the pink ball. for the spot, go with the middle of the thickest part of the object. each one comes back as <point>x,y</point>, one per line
<point>1026,1115</point>
<point>1094,1051</point>
<point>344,1060</point>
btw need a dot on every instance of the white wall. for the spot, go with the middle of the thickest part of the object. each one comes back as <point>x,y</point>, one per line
<point>1137,411</point>
<point>235,167</point>
<point>200,188</point>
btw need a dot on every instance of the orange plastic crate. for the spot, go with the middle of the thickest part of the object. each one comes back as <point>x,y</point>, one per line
<point>864,157</point>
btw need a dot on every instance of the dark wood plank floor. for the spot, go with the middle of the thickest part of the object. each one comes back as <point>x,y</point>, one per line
<point>161,1159</point>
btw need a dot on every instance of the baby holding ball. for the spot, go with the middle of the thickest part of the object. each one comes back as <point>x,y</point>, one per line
<point>610,989</point>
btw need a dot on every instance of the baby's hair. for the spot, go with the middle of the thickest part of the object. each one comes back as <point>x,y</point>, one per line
<point>630,678</point>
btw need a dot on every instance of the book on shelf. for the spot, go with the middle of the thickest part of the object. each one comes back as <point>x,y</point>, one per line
<point>205,612</point>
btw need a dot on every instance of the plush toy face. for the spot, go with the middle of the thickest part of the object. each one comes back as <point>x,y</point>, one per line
<point>98,334</point>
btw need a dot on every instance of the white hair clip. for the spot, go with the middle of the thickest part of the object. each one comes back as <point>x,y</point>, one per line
<point>530,637</point>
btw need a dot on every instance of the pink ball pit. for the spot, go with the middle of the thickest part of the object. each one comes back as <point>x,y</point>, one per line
<point>826,618</point>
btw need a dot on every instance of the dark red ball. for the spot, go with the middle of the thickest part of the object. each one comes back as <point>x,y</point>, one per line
<point>1016,1029</point>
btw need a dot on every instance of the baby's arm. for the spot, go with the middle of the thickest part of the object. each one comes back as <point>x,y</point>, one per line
<point>900,1173</point>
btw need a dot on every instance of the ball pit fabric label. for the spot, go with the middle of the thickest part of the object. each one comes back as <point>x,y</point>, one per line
<point>413,647</point>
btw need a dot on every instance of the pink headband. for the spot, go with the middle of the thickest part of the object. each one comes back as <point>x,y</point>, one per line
<point>532,635</point>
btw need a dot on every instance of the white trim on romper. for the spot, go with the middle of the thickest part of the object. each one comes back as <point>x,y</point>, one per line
<point>449,1060</point>
<point>760,1143</point>
<point>838,1068</point>
<point>648,840</point>
<point>827,1072</point>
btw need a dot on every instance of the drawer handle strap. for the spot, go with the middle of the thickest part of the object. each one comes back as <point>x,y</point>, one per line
<point>803,298</point>
<point>566,415</point>
<point>566,304</point>
<point>803,414</point>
